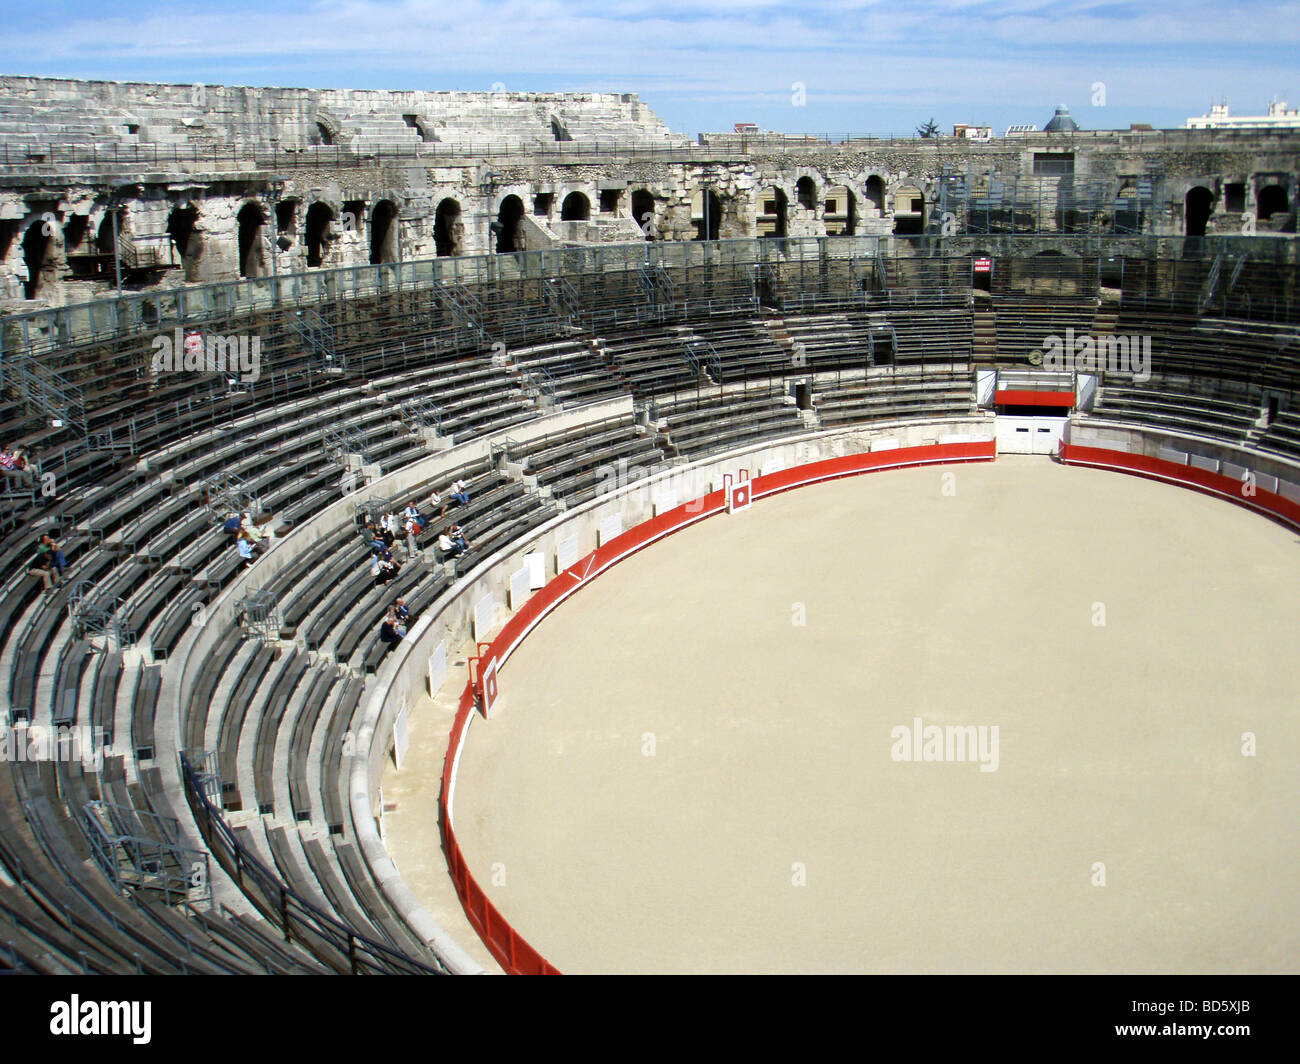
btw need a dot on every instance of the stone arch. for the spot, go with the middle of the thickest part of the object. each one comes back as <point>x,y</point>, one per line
<point>383,232</point>
<point>183,228</point>
<point>575,208</point>
<point>805,193</point>
<point>840,210</point>
<point>771,211</point>
<point>38,255</point>
<point>909,210</point>
<point>509,224</point>
<point>876,192</point>
<point>1197,208</point>
<point>1271,200</point>
<point>318,232</point>
<point>251,224</point>
<point>643,210</point>
<point>327,128</point>
<point>559,131</point>
<point>448,229</point>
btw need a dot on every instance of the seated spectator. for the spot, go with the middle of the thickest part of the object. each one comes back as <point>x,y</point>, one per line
<point>402,611</point>
<point>458,537</point>
<point>388,631</point>
<point>435,502</point>
<point>43,566</point>
<point>256,534</point>
<point>48,546</point>
<point>458,492</point>
<point>14,465</point>
<point>447,547</point>
<point>383,570</point>
<point>245,547</point>
<point>399,625</point>
<point>232,525</point>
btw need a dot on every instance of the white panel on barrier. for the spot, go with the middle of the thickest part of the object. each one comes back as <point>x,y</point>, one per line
<point>437,668</point>
<point>566,553</point>
<point>483,611</point>
<point>1170,455</point>
<point>768,468</point>
<point>610,527</point>
<point>1266,482</point>
<point>1238,473</point>
<point>520,587</point>
<point>401,735</point>
<point>1288,490</point>
<point>665,501</point>
<point>961,437</point>
<point>1210,465</point>
<point>888,443</point>
<point>536,564</point>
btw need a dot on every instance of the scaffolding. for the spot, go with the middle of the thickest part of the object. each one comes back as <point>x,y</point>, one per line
<point>259,612</point>
<point>44,391</point>
<point>99,616</point>
<point>318,336</point>
<point>226,494</point>
<point>344,444</point>
<point>464,307</point>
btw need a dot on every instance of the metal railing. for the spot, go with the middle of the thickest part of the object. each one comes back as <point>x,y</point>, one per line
<point>296,918</point>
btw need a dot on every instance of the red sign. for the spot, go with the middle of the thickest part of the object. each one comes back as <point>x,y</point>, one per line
<point>983,265</point>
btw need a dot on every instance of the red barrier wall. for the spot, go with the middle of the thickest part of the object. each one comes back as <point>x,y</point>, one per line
<point>512,952</point>
<point>1226,487</point>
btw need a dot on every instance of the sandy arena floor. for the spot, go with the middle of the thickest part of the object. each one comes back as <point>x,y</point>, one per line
<point>694,768</point>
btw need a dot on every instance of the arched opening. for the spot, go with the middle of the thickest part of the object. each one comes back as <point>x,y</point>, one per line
<point>37,245</point>
<point>251,220</point>
<point>108,234</point>
<point>706,214</point>
<point>180,226</point>
<point>319,217</point>
<point>383,232</point>
<point>286,223</point>
<point>575,208</point>
<point>1272,200</point>
<point>805,192</point>
<point>447,227</point>
<point>840,211</point>
<point>770,216</point>
<point>510,217</point>
<point>1198,206</point>
<point>558,129</point>
<point>643,210</point>
<point>909,211</point>
<point>876,193</point>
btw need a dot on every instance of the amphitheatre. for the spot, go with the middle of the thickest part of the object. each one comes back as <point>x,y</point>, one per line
<point>764,465</point>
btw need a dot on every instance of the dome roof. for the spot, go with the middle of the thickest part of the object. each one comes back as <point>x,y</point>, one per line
<point>1061,122</point>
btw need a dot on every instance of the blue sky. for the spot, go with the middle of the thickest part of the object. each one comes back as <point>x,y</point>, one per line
<point>865,65</point>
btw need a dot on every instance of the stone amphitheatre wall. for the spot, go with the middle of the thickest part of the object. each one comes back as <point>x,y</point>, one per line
<point>176,184</point>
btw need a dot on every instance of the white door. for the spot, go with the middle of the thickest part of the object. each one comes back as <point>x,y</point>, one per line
<point>1029,435</point>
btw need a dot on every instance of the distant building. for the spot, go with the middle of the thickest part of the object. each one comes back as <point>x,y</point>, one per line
<point>1061,122</point>
<point>746,127</point>
<point>1279,117</point>
<point>969,132</point>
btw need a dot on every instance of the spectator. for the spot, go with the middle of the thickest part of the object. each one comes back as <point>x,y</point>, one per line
<point>399,625</point>
<point>383,570</point>
<point>402,612</point>
<point>458,492</point>
<point>458,537</point>
<point>232,525</point>
<point>435,502</point>
<point>14,465</point>
<point>253,532</point>
<point>43,566</point>
<point>47,545</point>
<point>447,547</point>
<point>413,517</point>
<point>388,632</point>
<point>245,547</point>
